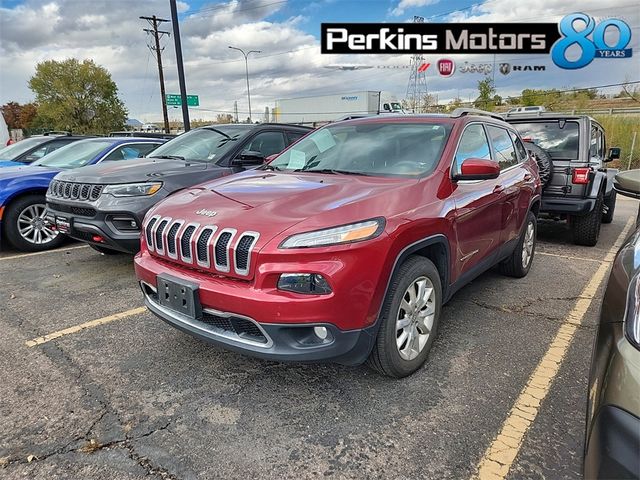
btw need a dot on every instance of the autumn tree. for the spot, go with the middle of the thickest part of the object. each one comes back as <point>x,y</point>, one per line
<point>224,118</point>
<point>19,116</point>
<point>77,96</point>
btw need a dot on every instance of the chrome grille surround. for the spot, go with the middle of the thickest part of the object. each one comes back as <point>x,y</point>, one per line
<point>225,245</point>
<point>244,271</point>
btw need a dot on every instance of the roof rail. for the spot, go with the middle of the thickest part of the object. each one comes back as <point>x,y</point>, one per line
<point>461,112</point>
<point>57,133</point>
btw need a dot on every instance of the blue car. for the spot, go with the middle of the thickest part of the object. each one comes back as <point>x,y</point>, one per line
<point>31,149</point>
<point>22,189</point>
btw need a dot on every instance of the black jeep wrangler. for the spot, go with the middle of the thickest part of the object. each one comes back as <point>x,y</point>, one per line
<point>572,155</point>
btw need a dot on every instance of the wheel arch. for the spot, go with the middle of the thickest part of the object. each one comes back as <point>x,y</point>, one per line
<point>23,193</point>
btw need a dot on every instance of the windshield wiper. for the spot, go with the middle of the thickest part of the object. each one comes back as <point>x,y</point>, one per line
<point>220,132</point>
<point>170,157</point>
<point>332,171</point>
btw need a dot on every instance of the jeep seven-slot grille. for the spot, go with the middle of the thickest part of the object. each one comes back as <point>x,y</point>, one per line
<point>149,231</point>
<point>158,236</point>
<point>185,242</point>
<point>171,238</point>
<point>203,245</point>
<point>75,191</point>
<point>192,245</point>
<point>221,249</point>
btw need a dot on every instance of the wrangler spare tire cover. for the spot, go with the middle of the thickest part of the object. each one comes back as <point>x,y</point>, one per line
<point>544,161</point>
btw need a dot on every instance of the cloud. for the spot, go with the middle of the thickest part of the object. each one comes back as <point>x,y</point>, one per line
<point>405,4</point>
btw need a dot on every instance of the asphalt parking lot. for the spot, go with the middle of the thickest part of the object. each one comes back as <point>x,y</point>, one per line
<point>129,397</point>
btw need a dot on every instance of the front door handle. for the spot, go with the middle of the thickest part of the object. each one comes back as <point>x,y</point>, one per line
<point>498,189</point>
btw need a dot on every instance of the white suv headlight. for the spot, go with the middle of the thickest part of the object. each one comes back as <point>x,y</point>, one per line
<point>354,232</point>
<point>133,189</point>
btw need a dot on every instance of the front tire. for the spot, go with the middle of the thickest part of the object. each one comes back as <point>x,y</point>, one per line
<point>25,226</point>
<point>518,264</point>
<point>409,319</point>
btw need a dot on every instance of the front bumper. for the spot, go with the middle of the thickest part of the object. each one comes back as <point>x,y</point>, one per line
<point>84,228</point>
<point>613,445</point>
<point>286,320</point>
<point>570,206</point>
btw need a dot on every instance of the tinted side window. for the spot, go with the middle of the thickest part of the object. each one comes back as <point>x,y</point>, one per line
<point>522,152</point>
<point>128,152</point>
<point>295,136</point>
<point>596,148</point>
<point>267,143</point>
<point>473,144</point>
<point>503,146</point>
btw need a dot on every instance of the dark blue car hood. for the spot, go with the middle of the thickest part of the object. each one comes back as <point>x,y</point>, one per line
<point>14,173</point>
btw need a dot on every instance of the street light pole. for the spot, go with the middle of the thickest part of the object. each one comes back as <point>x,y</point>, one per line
<point>246,68</point>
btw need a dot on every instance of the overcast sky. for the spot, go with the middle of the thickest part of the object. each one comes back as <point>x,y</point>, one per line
<point>287,33</point>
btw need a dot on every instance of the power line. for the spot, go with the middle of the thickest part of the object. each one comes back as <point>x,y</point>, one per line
<point>154,22</point>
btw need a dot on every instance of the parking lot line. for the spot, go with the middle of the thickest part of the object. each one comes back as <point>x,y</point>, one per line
<point>22,255</point>
<point>498,458</point>
<point>569,257</point>
<point>83,326</point>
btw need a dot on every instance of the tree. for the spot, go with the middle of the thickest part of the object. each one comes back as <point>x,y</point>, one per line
<point>19,116</point>
<point>77,96</point>
<point>224,118</point>
<point>486,92</point>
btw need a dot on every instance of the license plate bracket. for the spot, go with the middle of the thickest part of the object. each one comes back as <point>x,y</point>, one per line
<point>63,224</point>
<point>179,295</point>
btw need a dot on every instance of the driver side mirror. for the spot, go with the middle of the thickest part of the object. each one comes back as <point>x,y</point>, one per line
<point>249,157</point>
<point>478,169</point>
<point>614,154</point>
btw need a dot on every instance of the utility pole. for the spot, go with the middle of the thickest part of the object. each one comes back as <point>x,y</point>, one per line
<point>183,85</point>
<point>246,66</point>
<point>235,111</point>
<point>154,22</point>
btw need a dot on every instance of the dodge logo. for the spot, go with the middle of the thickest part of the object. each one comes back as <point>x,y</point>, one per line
<point>206,213</point>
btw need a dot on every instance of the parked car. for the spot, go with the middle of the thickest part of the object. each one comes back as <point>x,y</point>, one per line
<point>577,185</point>
<point>612,443</point>
<point>23,220</point>
<point>111,222</point>
<point>133,133</point>
<point>34,148</point>
<point>346,245</point>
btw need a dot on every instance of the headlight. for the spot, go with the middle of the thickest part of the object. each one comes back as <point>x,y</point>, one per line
<point>355,232</point>
<point>632,314</point>
<point>133,189</point>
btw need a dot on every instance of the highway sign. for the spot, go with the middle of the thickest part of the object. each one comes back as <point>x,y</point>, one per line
<point>174,100</point>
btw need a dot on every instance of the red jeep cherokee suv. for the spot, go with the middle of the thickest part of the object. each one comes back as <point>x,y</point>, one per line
<point>346,245</point>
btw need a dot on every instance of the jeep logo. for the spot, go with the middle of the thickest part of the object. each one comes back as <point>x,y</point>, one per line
<point>206,213</point>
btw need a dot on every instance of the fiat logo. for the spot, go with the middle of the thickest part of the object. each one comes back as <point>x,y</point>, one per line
<point>446,67</point>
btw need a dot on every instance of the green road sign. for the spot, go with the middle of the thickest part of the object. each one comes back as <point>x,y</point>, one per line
<point>174,100</point>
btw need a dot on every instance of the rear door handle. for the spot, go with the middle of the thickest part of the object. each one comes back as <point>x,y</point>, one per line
<point>527,177</point>
<point>498,189</point>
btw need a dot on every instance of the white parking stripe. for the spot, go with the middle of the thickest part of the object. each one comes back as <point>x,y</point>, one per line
<point>23,255</point>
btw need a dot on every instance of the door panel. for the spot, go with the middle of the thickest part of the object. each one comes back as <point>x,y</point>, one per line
<point>478,205</point>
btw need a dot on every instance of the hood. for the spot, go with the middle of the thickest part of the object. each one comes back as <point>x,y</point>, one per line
<point>12,173</point>
<point>272,202</point>
<point>10,163</point>
<point>138,170</point>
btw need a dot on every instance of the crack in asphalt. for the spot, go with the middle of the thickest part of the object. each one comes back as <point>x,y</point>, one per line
<point>96,394</point>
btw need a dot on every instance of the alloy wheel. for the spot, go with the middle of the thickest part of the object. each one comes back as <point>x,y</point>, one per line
<point>415,318</point>
<point>33,227</point>
<point>527,244</point>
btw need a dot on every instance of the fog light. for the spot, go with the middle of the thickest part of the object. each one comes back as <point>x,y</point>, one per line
<point>321,332</point>
<point>307,283</point>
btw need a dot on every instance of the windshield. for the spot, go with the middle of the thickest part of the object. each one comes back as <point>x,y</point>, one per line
<point>559,138</point>
<point>396,106</point>
<point>382,149</point>
<point>76,154</point>
<point>203,144</point>
<point>17,149</point>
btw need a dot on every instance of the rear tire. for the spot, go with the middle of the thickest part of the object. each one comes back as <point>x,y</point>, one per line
<point>408,319</point>
<point>544,161</point>
<point>104,250</point>
<point>25,228</point>
<point>586,228</point>
<point>610,203</point>
<point>518,264</point>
